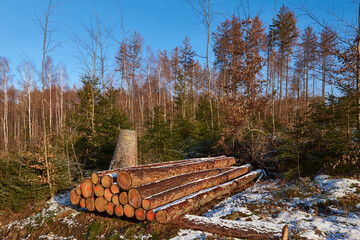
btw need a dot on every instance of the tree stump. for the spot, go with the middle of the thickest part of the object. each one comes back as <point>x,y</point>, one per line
<point>125,154</point>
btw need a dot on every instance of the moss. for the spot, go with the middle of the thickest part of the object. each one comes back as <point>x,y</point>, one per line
<point>96,228</point>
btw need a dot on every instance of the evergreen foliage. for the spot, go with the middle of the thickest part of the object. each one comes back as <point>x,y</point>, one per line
<point>97,122</point>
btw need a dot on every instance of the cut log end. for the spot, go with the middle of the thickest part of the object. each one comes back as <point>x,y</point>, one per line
<point>108,195</point>
<point>129,211</point>
<point>87,188</point>
<point>74,197</point>
<point>78,190</point>
<point>95,178</point>
<point>99,190</point>
<point>161,216</point>
<point>110,208</point>
<point>123,198</point>
<point>115,199</point>
<point>114,188</point>
<point>100,204</point>
<point>146,204</point>
<point>134,198</point>
<point>82,203</point>
<point>140,214</point>
<point>124,180</point>
<point>106,181</point>
<point>150,215</point>
<point>119,211</point>
<point>90,204</point>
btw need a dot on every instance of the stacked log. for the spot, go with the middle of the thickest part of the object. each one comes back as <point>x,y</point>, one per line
<point>160,191</point>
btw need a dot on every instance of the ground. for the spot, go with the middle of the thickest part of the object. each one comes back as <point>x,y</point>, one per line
<point>321,208</point>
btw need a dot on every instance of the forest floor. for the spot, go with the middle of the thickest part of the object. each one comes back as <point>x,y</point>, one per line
<point>322,208</point>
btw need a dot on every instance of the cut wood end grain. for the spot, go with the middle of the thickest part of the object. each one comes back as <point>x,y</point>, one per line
<point>134,198</point>
<point>124,180</point>
<point>87,188</point>
<point>129,211</point>
<point>119,211</point>
<point>90,204</point>
<point>74,197</point>
<point>150,215</point>
<point>140,214</point>
<point>95,178</point>
<point>123,198</point>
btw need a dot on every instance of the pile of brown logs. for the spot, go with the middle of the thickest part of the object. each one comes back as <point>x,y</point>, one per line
<point>161,191</point>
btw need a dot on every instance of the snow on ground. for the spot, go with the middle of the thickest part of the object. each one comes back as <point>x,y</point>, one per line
<point>325,208</point>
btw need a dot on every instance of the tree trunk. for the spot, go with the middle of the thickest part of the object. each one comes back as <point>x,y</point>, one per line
<point>171,195</point>
<point>228,228</point>
<point>136,195</point>
<point>173,210</point>
<point>125,154</point>
<point>96,177</point>
<point>127,179</point>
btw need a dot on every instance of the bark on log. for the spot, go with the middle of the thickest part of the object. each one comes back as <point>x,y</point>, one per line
<point>107,180</point>
<point>173,194</point>
<point>228,228</point>
<point>119,211</point>
<point>129,211</point>
<point>99,190</point>
<point>125,154</point>
<point>74,197</point>
<point>110,208</point>
<point>90,204</point>
<point>127,179</point>
<point>140,214</point>
<point>114,188</point>
<point>186,204</point>
<point>86,186</point>
<point>150,215</point>
<point>78,190</point>
<point>82,203</point>
<point>100,204</point>
<point>137,194</point>
<point>123,198</point>
<point>108,195</point>
<point>98,175</point>
<point>115,199</point>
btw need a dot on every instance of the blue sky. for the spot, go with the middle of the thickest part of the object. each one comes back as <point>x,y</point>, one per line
<point>162,23</point>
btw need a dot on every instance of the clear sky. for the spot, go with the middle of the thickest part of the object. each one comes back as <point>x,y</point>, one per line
<point>162,23</point>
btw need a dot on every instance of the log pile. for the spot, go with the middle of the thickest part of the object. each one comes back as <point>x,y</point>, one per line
<point>161,191</point>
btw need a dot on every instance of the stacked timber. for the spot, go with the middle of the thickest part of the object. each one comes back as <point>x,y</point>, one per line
<point>161,191</point>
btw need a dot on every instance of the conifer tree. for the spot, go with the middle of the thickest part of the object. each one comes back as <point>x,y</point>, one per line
<point>286,34</point>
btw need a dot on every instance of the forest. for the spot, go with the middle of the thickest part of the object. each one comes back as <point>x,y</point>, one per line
<point>283,98</point>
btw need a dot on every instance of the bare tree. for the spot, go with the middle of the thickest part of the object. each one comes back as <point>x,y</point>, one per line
<point>47,47</point>
<point>204,10</point>
<point>4,71</point>
<point>27,71</point>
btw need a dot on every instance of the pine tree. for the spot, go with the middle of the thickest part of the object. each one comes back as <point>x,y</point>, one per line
<point>328,43</point>
<point>286,34</point>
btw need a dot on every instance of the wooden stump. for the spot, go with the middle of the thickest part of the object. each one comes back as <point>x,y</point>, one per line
<point>125,154</point>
